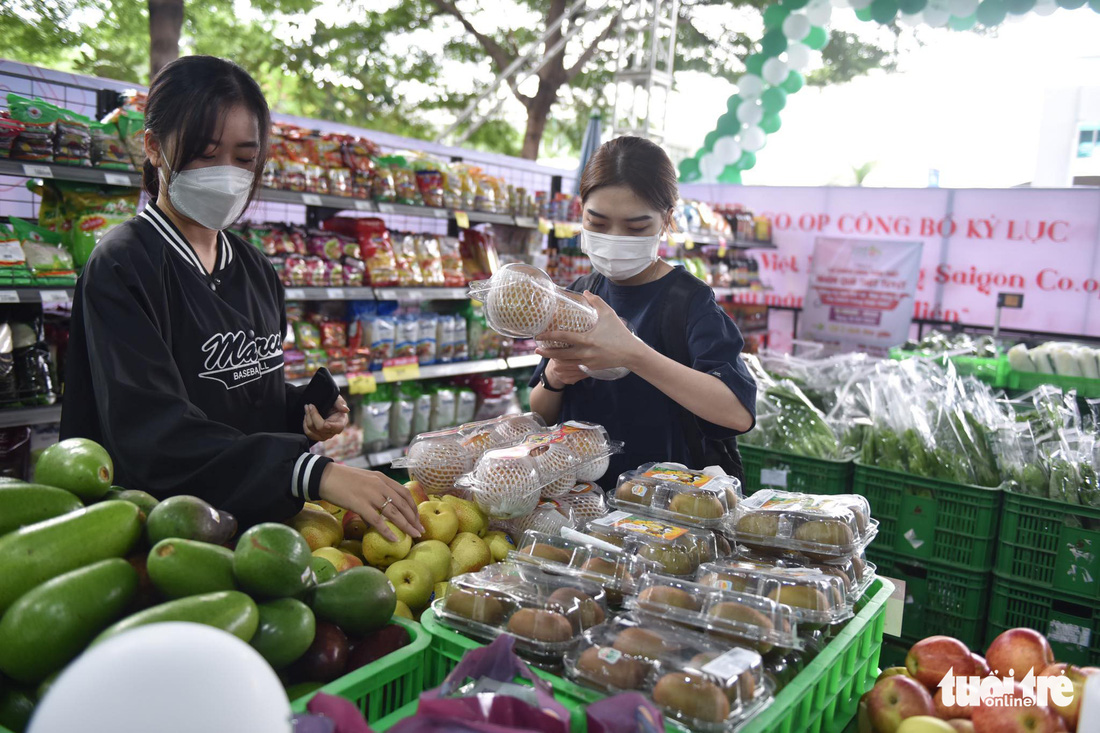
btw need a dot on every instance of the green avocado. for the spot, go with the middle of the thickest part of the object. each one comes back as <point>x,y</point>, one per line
<point>286,630</point>
<point>145,502</point>
<point>189,518</point>
<point>78,465</point>
<point>272,561</point>
<point>180,568</point>
<point>230,611</point>
<point>359,600</point>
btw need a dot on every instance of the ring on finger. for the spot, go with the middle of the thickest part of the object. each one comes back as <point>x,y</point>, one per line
<point>385,504</point>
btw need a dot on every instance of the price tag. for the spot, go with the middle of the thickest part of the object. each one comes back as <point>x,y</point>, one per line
<point>55,297</point>
<point>401,369</point>
<point>295,294</point>
<point>37,171</point>
<point>362,383</point>
<point>116,179</point>
<point>386,208</point>
<point>311,199</point>
<point>9,296</point>
<point>463,219</point>
<point>774,477</point>
<point>361,205</point>
<point>722,250</point>
<point>526,222</point>
<point>544,226</point>
<point>334,293</point>
<point>441,214</point>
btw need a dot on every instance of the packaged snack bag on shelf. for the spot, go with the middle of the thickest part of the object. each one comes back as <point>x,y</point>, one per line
<point>465,405</point>
<point>73,139</point>
<point>430,260</point>
<point>426,343</point>
<point>35,141</point>
<point>334,335</point>
<point>408,266</point>
<point>443,408</point>
<point>422,410</point>
<point>107,149</point>
<point>45,257</point>
<point>382,332</point>
<point>402,414</point>
<point>460,343</point>
<point>355,272</point>
<point>13,261</point>
<point>408,333</point>
<point>9,131</point>
<point>675,492</point>
<point>382,181</point>
<point>430,183</point>
<point>444,339</point>
<point>406,190</point>
<point>820,527</point>
<point>451,260</point>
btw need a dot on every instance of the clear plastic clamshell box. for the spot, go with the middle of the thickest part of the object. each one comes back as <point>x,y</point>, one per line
<point>817,599</point>
<point>675,492</point>
<point>522,301</point>
<point>676,549</point>
<point>728,615</point>
<point>508,482</point>
<point>857,573</point>
<point>547,613</point>
<point>821,527</point>
<point>616,572</point>
<point>704,684</point>
<point>437,459</point>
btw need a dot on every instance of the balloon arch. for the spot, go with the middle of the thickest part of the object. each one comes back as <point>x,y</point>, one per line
<point>794,30</point>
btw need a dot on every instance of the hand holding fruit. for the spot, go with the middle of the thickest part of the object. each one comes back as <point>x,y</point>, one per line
<point>560,374</point>
<point>373,496</point>
<point>321,428</point>
<point>607,346</point>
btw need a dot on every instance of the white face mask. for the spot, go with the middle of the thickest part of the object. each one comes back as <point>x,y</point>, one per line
<point>214,197</point>
<point>620,257</point>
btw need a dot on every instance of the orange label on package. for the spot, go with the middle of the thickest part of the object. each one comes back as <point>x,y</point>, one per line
<point>649,527</point>
<point>667,472</point>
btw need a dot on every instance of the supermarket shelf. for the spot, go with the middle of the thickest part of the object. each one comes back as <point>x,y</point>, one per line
<point>523,362</point>
<point>458,368</point>
<point>51,294</point>
<point>729,292</point>
<point>30,416</point>
<point>330,294</point>
<point>409,294</point>
<point>68,173</point>
<point>707,239</point>
<point>377,460</point>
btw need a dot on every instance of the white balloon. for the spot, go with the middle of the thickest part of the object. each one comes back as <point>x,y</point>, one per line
<point>796,27</point>
<point>798,56</point>
<point>819,12</point>
<point>912,20</point>
<point>962,8</point>
<point>936,13</point>
<point>1045,7</point>
<point>710,167</point>
<point>728,149</point>
<point>168,677</point>
<point>750,86</point>
<point>775,72</point>
<point>753,139</point>
<point>750,113</point>
<point>841,4</point>
<point>859,4</point>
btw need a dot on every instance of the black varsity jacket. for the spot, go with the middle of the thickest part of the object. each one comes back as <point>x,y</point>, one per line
<point>178,373</point>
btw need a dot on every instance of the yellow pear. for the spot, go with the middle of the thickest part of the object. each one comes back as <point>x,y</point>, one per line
<point>471,517</point>
<point>380,552</point>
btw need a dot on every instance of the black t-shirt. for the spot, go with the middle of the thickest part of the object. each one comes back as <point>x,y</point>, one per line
<point>634,411</point>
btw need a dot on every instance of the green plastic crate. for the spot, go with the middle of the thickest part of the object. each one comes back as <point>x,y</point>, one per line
<point>939,599</point>
<point>1070,624</point>
<point>821,699</point>
<point>930,519</point>
<point>767,468</point>
<point>991,370</point>
<point>1050,544</point>
<point>1027,381</point>
<point>385,684</point>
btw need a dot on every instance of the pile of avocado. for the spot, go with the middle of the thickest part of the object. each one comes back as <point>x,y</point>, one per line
<point>84,561</point>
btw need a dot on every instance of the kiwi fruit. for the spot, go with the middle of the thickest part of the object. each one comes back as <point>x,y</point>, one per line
<point>759,524</point>
<point>693,696</point>
<point>548,552</point>
<point>640,642</point>
<point>724,547</point>
<point>608,569</point>
<point>579,608</point>
<point>624,673</point>
<point>745,689</point>
<point>478,607</point>
<point>742,615</point>
<point>674,560</point>
<point>600,566</point>
<point>836,572</point>
<point>698,504</point>
<point>657,598</point>
<point>859,566</point>
<point>635,493</point>
<point>608,537</point>
<point>533,623</point>
<point>825,532</point>
<point>801,596</point>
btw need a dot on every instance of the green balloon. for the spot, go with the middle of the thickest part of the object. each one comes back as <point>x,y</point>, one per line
<point>770,124</point>
<point>884,11</point>
<point>708,141</point>
<point>1095,5</point>
<point>911,7</point>
<point>772,44</point>
<point>728,124</point>
<point>733,103</point>
<point>795,4</point>
<point>773,100</point>
<point>754,63</point>
<point>991,13</point>
<point>1019,7</point>
<point>774,15</point>
<point>817,38</point>
<point>1071,4</point>
<point>747,161</point>
<point>864,14</point>
<point>688,167</point>
<point>962,24</point>
<point>730,175</point>
<point>794,82</point>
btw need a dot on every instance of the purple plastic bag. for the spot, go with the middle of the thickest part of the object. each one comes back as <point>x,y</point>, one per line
<point>341,712</point>
<point>629,712</point>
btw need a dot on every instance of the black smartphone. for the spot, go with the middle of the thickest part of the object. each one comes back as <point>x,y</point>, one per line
<point>321,392</point>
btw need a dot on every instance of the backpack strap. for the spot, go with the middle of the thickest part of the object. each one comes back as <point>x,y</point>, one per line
<point>586,282</point>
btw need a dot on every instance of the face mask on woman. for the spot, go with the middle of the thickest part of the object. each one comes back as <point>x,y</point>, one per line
<point>214,196</point>
<point>619,257</point>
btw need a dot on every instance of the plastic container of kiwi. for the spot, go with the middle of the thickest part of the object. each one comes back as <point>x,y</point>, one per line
<point>677,550</point>
<point>547,613</point>
<point>730,616</point>
<point>675,492</point>
<point>817,599</point>
<point>615,571</point>
<point>857,573</point>
<point>522,301</point>
<point>698,682</point>
<point>822,527</point>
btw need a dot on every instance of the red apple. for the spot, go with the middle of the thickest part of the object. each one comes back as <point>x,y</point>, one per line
<point>981,666</point>
<point>377,644</point>
<point>993,715</point>
<point>948,712</point>
<point>962,725</point>
<point>1070,711</point>
<point>1019,651</point>
<point>930,659</point>
<point>896,698</point>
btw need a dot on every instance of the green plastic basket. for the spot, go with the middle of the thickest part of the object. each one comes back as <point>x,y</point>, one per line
<point>1071,625</point>
<point>939,599</point>
<point>1051,545</point>
<point>929,519</point>
<point>1027,381</point>
<point>991,370</point>
<point>385,684</point>
<point>767,468</point>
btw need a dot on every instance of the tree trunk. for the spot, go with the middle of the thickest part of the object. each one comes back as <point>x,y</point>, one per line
<point>165,25</point>
<point>537,113</point>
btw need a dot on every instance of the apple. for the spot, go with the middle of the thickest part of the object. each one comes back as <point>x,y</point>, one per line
<point>380,552</point>
<point>353,560</point>
<point>412,580</point>
<point>354,526</point>
<point>352,547</point>
<point>1017,652</point>
<point>982,666</point>
<point>403,610</point>
<point>948,712</point>
<point>376,645</point>
<point>469,553</point>
<point>435,555</point>
<point>891,671</point>
<point>961,725</point>
<point>1071,712</point>
<point>338,559</point>
<point>930,659</point>
<point>896,698</point>
<point>500,544</point>
<point>924,724</point>
<point>439,520</point>
<point>990,717</point>
<point>418,494</point>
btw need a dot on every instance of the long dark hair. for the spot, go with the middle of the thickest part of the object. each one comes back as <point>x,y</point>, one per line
<point>187,100</point>
<point>639,164</point>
